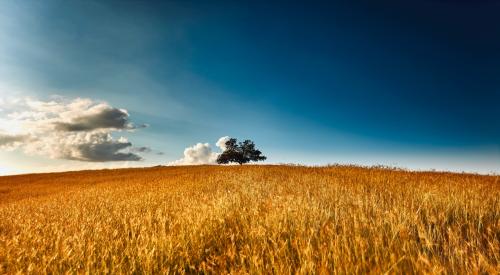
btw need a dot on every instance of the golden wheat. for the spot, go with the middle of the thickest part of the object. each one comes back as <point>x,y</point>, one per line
<point>250,219</point>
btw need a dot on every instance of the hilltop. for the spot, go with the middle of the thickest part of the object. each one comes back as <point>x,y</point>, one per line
<point>253,218</point>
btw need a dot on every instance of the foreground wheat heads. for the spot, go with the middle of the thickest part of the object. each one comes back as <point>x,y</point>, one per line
<point>250,219</point>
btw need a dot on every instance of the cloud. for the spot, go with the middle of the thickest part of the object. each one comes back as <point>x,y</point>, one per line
<point>201,153</point>
<point>7,141</point>
<point>221,143</point>
<point>91,147</point>
<point>79,129</point>
<point>107,118</point>
<point>142,149</point>
<point>105,151</point>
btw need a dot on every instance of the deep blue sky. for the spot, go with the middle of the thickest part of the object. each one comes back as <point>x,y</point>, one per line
<point>407,83</point>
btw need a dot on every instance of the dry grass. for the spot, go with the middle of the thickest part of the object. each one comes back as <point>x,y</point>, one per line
<point>250,219</point>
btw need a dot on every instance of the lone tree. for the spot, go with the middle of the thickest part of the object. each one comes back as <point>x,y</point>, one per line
<point>241,152</point>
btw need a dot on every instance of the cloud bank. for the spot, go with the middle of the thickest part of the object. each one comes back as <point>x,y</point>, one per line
<point>79,129</point>
<point>201,153</point>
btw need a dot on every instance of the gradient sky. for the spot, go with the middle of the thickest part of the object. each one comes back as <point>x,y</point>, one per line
<point>413,84</point>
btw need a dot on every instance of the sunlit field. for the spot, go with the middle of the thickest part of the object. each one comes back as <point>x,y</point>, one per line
<point>250,219</point>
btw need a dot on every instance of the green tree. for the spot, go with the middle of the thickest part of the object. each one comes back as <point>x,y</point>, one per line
<point>240,152</point>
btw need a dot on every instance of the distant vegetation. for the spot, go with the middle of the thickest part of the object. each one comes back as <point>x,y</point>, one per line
<point>271,219</point>
<point>240,153</point>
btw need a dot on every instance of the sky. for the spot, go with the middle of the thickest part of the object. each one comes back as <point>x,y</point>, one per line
<point>111,84</point>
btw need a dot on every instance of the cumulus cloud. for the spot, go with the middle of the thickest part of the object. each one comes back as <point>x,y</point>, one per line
<point>221,143</point>
<point>111,118</point>
<point>79,129</point>
<point>92,147</point>
<point>201,153</point>
<point>105,151</point>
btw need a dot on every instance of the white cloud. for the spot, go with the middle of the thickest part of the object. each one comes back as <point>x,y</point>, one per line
<point>221,143</point>
<point>78,129</point>
<point>201,153</point>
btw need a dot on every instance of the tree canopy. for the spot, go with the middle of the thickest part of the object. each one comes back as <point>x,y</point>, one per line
<point>240,152</point>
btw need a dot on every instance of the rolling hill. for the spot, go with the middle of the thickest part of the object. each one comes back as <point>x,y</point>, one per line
<point>255,218</point>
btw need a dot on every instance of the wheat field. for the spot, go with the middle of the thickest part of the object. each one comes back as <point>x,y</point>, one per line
<point>250,219</point>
